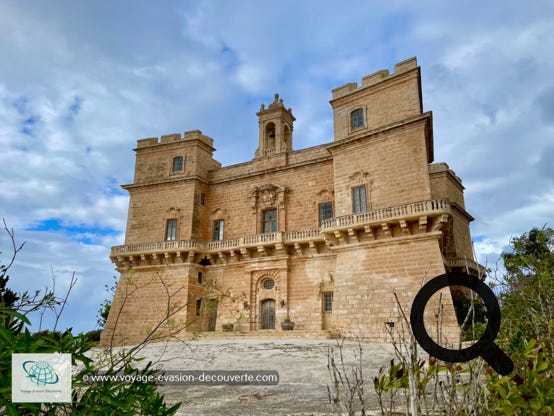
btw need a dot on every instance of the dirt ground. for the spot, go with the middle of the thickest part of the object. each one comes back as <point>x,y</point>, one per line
<point>301,364</point>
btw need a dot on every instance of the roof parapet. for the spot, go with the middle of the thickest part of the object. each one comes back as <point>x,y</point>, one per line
<point>175,138</point>
<point>375,78</point>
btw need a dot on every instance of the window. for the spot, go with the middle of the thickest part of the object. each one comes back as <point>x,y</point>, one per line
<point>198,307</point>
<point>202,199</point>
<point>325,211</point>
<point>270,221</point>
<point>171,230</point>
<point>199,277</point>
<point>178,164</point>
<point>358,199</point>
<point>268,284</point>
<point>270,131</point>
<point>218,230</point>
<point>328,305</point>
<point>357,118</point>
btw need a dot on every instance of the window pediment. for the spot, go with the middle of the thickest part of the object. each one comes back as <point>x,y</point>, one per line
<point>267,196</point>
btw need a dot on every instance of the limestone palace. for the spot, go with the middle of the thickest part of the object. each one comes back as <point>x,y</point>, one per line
<point>324,236</point>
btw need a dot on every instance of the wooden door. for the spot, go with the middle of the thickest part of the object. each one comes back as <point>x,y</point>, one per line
<point>212,314</point>
<point>268,314</point>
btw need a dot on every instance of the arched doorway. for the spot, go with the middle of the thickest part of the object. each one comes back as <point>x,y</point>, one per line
<point>268,314</point>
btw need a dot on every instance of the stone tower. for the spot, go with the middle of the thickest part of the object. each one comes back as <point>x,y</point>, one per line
<point>275,128</point>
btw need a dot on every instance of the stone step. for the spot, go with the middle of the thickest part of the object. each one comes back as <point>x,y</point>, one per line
<point>264,334</point>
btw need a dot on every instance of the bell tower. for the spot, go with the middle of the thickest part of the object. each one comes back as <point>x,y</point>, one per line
<point>275,124</point>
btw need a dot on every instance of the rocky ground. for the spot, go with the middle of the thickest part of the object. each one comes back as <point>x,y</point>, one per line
<point>301,363</point>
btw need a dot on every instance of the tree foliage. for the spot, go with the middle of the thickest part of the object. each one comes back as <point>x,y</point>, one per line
<point>7,296</point>
<point>527,290</point>
<point>105,307</point>
<point>108,397</point>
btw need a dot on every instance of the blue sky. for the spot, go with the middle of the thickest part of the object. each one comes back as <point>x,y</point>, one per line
<point>80,82</point>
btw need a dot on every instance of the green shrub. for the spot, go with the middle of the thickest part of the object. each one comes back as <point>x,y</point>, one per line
<point>94,335</point>
<point>529,390</point>
<point>119,398</point>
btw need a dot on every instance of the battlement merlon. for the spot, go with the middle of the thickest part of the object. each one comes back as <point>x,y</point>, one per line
<point>175,138</point>
<point>375,78</point>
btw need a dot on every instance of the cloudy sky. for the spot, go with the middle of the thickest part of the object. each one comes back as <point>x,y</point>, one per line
<point>80,82</point>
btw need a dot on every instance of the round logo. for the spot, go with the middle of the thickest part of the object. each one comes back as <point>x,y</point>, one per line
<point>40,373</point>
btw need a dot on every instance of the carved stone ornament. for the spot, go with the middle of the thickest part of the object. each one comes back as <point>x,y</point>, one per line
<point>359,176</point>
<point>267,197</point>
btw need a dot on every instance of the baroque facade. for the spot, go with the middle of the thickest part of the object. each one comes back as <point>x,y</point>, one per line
<point>325,235</point>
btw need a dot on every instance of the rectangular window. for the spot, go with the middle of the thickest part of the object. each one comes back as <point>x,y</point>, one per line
<point>171,230</point>
<point>325,211</point>
<point>178,163</point>
<point>328,301</point>
<point>198,307</point>
<point>270,221</point>
<point>359,200</point>
<point>199,277</point>
<point>202,199</point>
<point>357,118</point>
<point>218,230</point>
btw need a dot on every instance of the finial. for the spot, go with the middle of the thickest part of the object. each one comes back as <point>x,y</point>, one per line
<point>276,96</point>
<point>262,107</point>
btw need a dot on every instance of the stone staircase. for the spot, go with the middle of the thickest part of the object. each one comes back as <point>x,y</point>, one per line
<point>264,334</point>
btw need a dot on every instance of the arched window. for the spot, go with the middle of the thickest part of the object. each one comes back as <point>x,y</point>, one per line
<point>178,164</point>
<point>270,131</point>
<point>357,118</point>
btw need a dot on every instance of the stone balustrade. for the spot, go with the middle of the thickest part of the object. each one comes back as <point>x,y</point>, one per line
<point>464,263</point>
<point>310,237</point>
<point>412,210</point>
<point>222,245</point>
<point>302,235</point>
<point>160,246</point>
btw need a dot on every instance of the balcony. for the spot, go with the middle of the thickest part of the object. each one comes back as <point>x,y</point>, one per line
<point>406,212</point>
<point>159,247</point>
<point>298,242</point>
<point>397,221</point>
<point>401,220</point>
<point>465,264</point>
